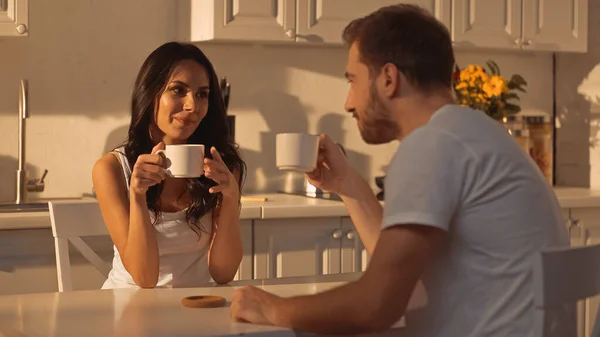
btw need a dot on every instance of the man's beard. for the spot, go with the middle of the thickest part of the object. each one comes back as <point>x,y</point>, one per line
<point>376,124</point>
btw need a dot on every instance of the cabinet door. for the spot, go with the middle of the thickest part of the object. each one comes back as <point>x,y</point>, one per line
<point>589,221</point>
<point>578,237</point>
<point>296,247</point>
<point>14,18</point>
<point>324,20</point>
<point>241,20</point>
<point>555,25</point>
<point>487,24</point>
<point>245,270</point>
<point>354,253</point>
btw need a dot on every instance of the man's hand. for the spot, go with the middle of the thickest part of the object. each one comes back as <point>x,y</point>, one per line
<point>333,169</point>
<point>253,305</point>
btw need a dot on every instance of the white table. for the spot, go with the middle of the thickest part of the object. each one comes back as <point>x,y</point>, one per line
<point>144,312</point>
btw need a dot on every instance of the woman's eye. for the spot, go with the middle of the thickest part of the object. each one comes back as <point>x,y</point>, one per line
<point>202,94</point>
<point>178,90</point>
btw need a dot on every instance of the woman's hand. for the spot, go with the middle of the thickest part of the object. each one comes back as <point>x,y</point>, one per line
<point>148,171</point>
<point>216,170</point>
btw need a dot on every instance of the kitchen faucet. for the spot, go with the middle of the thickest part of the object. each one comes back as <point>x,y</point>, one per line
<point>33,185</point>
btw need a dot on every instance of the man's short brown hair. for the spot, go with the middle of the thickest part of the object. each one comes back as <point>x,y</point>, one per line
<point>408,37</point>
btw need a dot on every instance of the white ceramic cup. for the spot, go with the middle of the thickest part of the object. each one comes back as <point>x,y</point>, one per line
<point>184,160</point>
<point>296,151</point>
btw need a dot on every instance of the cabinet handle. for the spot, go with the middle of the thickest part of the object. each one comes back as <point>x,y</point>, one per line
<point>290,33</point>
<point>351,235</point>
<point>337,234</point>
<point>517,41</point>
<point>582,232</point>
<point>21,29</point>
<point>527,43</point>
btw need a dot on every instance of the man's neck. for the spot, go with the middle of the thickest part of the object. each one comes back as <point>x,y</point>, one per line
<point>418,112</point>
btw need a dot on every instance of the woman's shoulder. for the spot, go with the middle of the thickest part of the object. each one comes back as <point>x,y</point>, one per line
<point>106,166</point>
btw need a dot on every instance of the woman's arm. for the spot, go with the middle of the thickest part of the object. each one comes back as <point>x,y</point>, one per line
<point>127,220</point>
<point>225,252</point>
<point>226,249</point>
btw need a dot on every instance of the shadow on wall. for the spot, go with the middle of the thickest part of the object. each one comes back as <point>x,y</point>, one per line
<point>115,139</point>
<point>284,85</point>
<point>282,113</point>
<point>577,84</point>
<point>8,171</point>
<point>83,55</point>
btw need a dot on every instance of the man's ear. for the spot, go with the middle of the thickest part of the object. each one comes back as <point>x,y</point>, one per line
<point>391,81</point>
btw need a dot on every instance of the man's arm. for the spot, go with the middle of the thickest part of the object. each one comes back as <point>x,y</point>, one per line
<point>365,210</point>
<point>375,301</point>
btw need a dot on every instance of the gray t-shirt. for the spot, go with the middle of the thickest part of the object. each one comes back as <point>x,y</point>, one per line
<point>463,173</point>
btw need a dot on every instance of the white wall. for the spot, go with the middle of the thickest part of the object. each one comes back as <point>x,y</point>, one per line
<point>578,107</point>
<point>81,72</point>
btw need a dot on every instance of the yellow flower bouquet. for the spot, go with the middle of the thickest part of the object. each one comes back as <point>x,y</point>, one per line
<point>488,91</point>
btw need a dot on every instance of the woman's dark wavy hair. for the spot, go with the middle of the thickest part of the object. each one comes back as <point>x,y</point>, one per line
<point>213,130</point>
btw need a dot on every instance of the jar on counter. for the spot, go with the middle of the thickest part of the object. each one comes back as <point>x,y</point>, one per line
<point>522,137</point>
<point>513,123</point>
<point>540,147</point>
<point>515,126</point>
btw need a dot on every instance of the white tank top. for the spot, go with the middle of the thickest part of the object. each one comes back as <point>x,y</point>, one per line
<point>183,256</point>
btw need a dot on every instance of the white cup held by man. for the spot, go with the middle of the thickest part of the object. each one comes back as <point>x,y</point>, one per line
<point>184,160</point>
<point>296,152</point>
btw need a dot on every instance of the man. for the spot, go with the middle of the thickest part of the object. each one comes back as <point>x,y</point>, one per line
<point>465,210</point>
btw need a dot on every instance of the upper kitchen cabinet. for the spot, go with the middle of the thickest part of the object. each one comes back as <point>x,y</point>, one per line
<point>324,20</point>
<point>555,25</point>
<point>14,18</point>
<point>487,24</point>
<point>237,20</point>
<point>549,25</point>
<point>304,21</point>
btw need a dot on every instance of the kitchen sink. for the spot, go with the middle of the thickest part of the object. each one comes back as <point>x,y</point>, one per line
<point>33,206</point>
<point>27,207</point>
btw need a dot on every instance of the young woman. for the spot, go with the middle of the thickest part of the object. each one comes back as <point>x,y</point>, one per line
<point>172,231</point>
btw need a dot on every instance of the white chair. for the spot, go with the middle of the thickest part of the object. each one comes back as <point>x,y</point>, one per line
<point>72,219</point>
<point>561,277</point>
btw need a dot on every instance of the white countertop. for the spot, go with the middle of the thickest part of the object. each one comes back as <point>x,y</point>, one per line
<point>577,197</point>
<point>294,206</point>
<point>280,206</point>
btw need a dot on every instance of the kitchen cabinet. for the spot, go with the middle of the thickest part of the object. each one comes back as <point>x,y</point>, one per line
<point>555,25</point>
<point>14,18</point>
<point>495,24</point>
<point>296,247</point>
<point>235,20</point>
<point>585,230</point>
<point>291,21</point>
<point>323,21</point>
<point>551,25</point>
<point>307,246</point>
<point>354,254</point>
